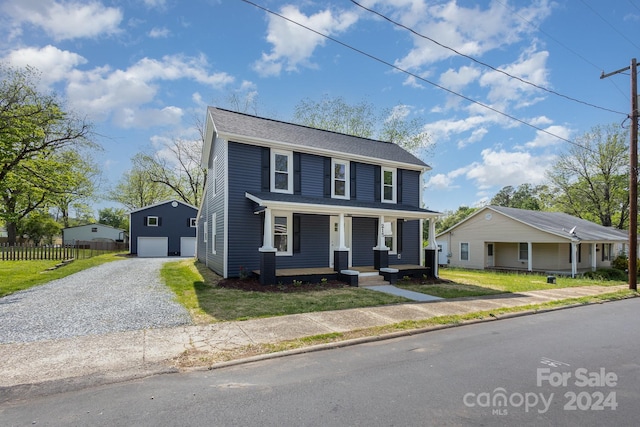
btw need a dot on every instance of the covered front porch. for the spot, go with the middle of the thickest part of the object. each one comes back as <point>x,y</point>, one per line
<point>316,275</point>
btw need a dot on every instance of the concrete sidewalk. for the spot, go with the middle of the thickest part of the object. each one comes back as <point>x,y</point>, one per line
<point>48,366</point>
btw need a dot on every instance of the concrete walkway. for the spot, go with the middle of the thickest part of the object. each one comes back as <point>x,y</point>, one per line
<point>48,366</point>
<point>414,296</point>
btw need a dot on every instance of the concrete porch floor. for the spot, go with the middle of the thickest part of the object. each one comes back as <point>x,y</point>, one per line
<point>288,272</point>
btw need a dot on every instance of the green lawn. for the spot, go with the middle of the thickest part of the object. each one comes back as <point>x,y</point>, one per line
<point>196,288</point>
<point>19,275</point>
<point>468,283</point>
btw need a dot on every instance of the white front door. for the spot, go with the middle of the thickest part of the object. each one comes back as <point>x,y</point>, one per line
<point>334,237</point>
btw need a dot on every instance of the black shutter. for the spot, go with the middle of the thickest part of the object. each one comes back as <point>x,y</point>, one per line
<point>376,183</point>
<point>297,178</point>
<point>376,229</point>
<point>399,183</point>
<point>570,254</point>
<point>266,169</point>
<point>296,233</point>
<point>159,221</point>
<point>601,251</point>
<point>327,177</point>
<point>399,226</point>
<point>144,221</point>
<point>352,177</point>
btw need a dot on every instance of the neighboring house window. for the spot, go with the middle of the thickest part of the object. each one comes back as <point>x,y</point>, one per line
<point>388,185</point>
<point>205,233</point>
<point>193,222</point>
<point>490,249</point>
<point>214,233</point>
<point>94,229</point>
<point>523,252</point>
<point>340,179</point>
<point>607,252</point>
<point>283,233</point>
<point>281,171</point>
<point>464,251</point>
<point>153,221</point>
<point>389,231</point>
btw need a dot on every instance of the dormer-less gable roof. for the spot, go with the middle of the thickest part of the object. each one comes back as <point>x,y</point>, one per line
<point>556,223</point>
<point>162,203</point>
<point>241,127</point>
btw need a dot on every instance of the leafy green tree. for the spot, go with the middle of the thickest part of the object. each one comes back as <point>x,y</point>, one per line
<point>590,180</point>
<point>34,130</point>
<point>452,218</point>
<point>362,119</point>
<point>135,190</point>
<point>524,196</point>
<point>40,227</point>
<point>115,217</point>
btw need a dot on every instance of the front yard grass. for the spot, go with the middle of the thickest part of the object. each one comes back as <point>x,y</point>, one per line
<point>196,289</point>
<point>20,275</point>
<point>471,283</point>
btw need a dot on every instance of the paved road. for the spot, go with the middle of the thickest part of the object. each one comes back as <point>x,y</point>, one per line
<point>569,367</point>
<point>123,295</point>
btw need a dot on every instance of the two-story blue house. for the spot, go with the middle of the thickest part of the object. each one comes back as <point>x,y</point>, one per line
<point>286,202</point>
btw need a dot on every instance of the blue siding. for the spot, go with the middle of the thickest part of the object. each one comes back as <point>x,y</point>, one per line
<point>411,187</point>
<point>245,227</point>
<point>364,235</point>
<point>312,173</point>
<point>174,223</point>
<point>365,183</point>
<point>216,191</point>
<point>314,244</point>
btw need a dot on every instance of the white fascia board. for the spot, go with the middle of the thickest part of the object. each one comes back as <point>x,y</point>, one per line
<point>209,136</point>
<point>321,151</point>
<point>225,219</point>
<point>336,210</point>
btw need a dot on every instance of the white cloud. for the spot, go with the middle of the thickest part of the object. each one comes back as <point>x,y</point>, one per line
<point>544,139</point>
<point>53,63</point>
<point>501,168</point>
<point>155,3</point>
<point>122,94</point>
<point>456,80</point>
<point>64,20</point>
<point>293,45</point>
<point>159,33</point>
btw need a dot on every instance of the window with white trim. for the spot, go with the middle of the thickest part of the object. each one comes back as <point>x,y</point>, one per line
<point>282,171</point>
<point>340,185</point>
<point>607,252</point>
<point>464,251</point>
<point>152,221</point>
<point>390,234</point>
<point>283,233</point>
<point>523,251</point>
<point>388,185</point>
<point>193,222</point>
<point>214,233</point>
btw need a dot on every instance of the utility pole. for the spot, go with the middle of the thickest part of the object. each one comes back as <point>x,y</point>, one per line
<point>633,174</point>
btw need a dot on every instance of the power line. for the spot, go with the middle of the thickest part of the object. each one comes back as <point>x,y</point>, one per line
<point>395,67</point>
<point>611,25</point>
<point>483,63</point>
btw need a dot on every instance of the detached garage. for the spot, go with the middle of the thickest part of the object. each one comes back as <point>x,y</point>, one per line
<point>163,229</point>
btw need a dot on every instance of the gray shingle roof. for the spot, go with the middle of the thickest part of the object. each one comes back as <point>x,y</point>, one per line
<point>560,224</point>
<point>230,122</point>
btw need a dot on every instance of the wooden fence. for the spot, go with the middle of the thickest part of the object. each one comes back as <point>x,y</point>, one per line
<point>78,250</point>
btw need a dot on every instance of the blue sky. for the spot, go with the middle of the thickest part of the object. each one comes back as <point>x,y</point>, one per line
<point>144,70</point>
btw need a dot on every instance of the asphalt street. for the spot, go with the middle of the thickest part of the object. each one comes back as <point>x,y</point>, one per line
<point>578,366</point>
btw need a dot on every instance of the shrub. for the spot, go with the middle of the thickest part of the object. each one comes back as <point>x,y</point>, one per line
<point>607,274</point>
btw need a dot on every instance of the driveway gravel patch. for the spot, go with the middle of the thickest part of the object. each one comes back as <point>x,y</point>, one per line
<point>117,296</point>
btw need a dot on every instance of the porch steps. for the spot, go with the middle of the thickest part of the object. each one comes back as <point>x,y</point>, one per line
<point>371,279</point>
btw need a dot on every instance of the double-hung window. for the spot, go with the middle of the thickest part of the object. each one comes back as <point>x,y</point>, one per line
<point>281,171</point>
<point>523,251</point>
<point>283,233</point>
<point>389,185</point>
<point>340,179</point>
<point>464,251</point>
<point>389,231</point>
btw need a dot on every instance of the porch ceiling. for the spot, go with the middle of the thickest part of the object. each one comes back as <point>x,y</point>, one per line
<point>329,206</point>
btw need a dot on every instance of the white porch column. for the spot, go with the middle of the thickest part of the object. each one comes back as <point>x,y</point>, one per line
<point>594,256</point>
<point>421,227</point>
<point>267,238</point>
<point>341,233</point>
<point>432,243</point>
<point>530,256</point>
<point>574,259</point>
<point>381,246</point>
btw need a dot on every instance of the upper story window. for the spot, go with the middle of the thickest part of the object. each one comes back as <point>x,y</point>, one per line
<point>389,185</point>
<point>193,222</point>
<point>340,179</point>
<point>152,221</point>
<point>281,171</point>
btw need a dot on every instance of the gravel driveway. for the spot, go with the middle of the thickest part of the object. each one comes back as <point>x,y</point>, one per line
<point>116,296</point>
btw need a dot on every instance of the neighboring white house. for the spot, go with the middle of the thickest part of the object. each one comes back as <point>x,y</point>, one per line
<point>519,239</point>
<point>95,232</point>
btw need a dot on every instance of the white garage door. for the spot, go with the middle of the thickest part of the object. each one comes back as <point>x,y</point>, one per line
<point>188,246</point>
<point>153,246</point>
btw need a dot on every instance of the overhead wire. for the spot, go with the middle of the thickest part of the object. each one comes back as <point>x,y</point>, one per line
<point>395,67</point>
<point>609,24</point>
<point>484,63</point>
